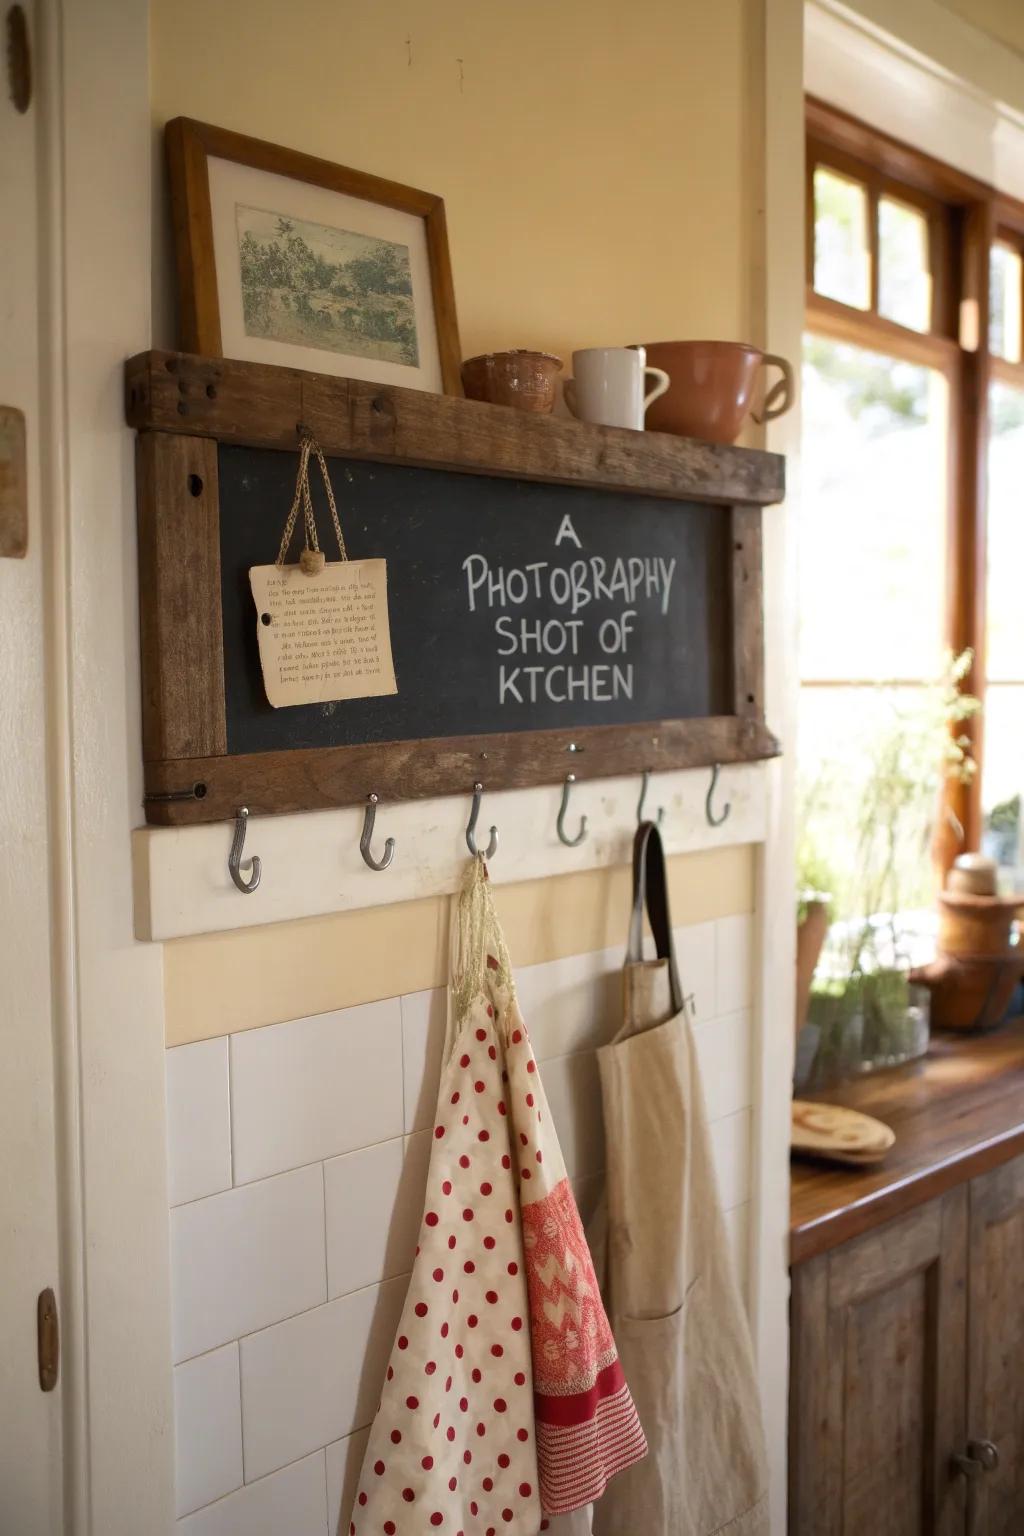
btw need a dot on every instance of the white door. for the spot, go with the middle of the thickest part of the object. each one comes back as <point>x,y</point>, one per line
<point>31,1502</point>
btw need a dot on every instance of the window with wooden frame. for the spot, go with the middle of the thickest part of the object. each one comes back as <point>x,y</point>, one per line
<point>912,542</point>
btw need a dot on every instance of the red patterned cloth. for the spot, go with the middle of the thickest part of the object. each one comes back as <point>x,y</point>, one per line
<point>504,1400</point>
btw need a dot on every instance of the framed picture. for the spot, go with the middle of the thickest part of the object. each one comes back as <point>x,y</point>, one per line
<point>284,258</point>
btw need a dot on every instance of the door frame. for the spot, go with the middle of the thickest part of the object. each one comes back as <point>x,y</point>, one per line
<point>96,173</point>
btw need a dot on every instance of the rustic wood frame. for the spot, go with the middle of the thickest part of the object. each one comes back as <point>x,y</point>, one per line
<point>965,216</point>
<point>183,406</point>
<point>190,145</point>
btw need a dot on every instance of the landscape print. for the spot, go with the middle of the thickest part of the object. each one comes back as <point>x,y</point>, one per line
<point>315,286</point>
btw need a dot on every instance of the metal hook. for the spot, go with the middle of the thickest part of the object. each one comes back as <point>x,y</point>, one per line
<point>235,856</point>
<point>492,846</point>
<point>715,821</point>
<point>660,817</point>
<point>369,818</point>
<point>570,842</point>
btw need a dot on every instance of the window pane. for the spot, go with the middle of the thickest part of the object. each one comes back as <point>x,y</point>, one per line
<point>904,265</point>
<point>1003,774</point>
<point>1002,777</point>
<point>842,259</point>
<point>1004,331</point>
<point>873,515</point>
<point>1005,636</point>
<point>869,764</point>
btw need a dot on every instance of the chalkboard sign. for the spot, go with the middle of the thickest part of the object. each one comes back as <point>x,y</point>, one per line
<point>514,606</point>
<point>553,588</point>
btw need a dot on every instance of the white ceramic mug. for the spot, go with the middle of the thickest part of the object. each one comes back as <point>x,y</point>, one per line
<point>608,387</point>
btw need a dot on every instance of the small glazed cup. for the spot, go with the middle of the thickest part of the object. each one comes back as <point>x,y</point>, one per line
<point>712,388</point>
<point>609,386</point>
<point>522,379</point>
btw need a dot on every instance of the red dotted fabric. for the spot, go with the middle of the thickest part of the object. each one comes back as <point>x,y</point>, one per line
<point>503,1401</point>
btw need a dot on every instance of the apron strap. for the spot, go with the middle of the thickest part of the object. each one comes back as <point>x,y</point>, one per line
<point>650,889</point>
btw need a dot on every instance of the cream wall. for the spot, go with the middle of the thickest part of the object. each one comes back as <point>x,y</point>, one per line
<point>593,157</point>
<point>1001,19</point>
<point>604,171</point>
<point>221,983</point>
<point>598,167</point>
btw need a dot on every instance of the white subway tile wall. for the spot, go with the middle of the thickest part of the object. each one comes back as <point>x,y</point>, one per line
<point>298,1156</point>
<point>291,1503</point>
<point>198,1120</point>
<point>315,1087</point>
<point>247,1258</point>
<point>207,1428</point>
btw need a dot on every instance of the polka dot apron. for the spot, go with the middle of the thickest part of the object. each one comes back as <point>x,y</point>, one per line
<point>504,1402</point>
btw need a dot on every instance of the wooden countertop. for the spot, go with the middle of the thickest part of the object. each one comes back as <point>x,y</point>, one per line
<point>956,1112</point>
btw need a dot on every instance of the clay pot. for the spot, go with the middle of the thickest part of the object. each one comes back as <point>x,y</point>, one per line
<point>969,991</point>
<point>976,925</point>
<point>810,936</point>
<point>712,388</point>
<point>525,380</point>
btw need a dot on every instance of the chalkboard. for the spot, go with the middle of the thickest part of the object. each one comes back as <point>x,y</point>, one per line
<point>563,597</point>
<point>514,606</point>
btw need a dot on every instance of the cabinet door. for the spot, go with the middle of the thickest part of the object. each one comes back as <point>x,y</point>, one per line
<point>995,1357</point>
<point>877,1380</point>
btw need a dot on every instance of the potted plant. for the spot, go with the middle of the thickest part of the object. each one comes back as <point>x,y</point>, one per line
<point>868,824</point>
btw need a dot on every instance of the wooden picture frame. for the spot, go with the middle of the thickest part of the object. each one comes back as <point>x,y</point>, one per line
<point>186,410</point>
<point>199,227</point>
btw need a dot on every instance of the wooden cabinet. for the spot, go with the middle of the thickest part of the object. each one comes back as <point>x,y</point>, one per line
<point>995,1345</point>
<point>907,1372</point>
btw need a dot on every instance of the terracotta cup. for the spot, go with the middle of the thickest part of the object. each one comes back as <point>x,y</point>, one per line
<point>712,388</point>
<point>525,380</point>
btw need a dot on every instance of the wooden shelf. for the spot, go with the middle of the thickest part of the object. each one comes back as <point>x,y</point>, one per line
<point>957,1112</point>
<point>261,406</point>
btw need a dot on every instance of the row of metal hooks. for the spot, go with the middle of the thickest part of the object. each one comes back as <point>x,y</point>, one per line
<point>247,882</point>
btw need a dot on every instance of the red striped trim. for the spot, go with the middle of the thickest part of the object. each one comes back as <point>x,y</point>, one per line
<point>579,1407</point>
<point>576,1463</point>
<point>571,1457</point>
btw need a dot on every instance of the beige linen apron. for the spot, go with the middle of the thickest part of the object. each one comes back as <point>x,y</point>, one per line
<point>671,1293</point>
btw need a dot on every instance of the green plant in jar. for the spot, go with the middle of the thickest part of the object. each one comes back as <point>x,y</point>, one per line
<point>868,819</point>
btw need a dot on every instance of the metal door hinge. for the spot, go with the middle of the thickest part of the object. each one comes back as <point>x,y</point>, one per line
<point>48,1334</point>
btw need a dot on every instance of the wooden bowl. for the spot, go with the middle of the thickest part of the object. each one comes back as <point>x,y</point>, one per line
<point>522,379</point>
<point>841,1135</point>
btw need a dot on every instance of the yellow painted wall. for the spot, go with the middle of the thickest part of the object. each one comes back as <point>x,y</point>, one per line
<point>599,162</point>
<point>224,982</point>
<point>593,155</point>
<point>1001,19</point>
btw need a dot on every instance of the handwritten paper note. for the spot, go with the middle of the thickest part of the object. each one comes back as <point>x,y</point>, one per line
<point>324,637</point>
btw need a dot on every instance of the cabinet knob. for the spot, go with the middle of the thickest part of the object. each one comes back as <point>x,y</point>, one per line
<point>985,1452</point>
<point>981,1456</point>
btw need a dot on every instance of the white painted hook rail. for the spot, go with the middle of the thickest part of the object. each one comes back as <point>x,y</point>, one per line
<point>313,865</point>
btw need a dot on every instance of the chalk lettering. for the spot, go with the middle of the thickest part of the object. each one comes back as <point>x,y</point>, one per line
<point>567,531</point>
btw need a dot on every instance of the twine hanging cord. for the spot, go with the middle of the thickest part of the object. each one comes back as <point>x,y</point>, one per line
<point>312,559</point>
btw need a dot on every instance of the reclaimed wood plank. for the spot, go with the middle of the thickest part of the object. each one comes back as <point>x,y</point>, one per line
<point>262,406</point>
<point>322,777</point>
<point>747,612</point>
<point>877,1405</point>
<point>180,608</point>
<point>995,1351</point>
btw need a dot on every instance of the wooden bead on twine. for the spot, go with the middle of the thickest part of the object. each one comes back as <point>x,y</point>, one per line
<point>312,560</point>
